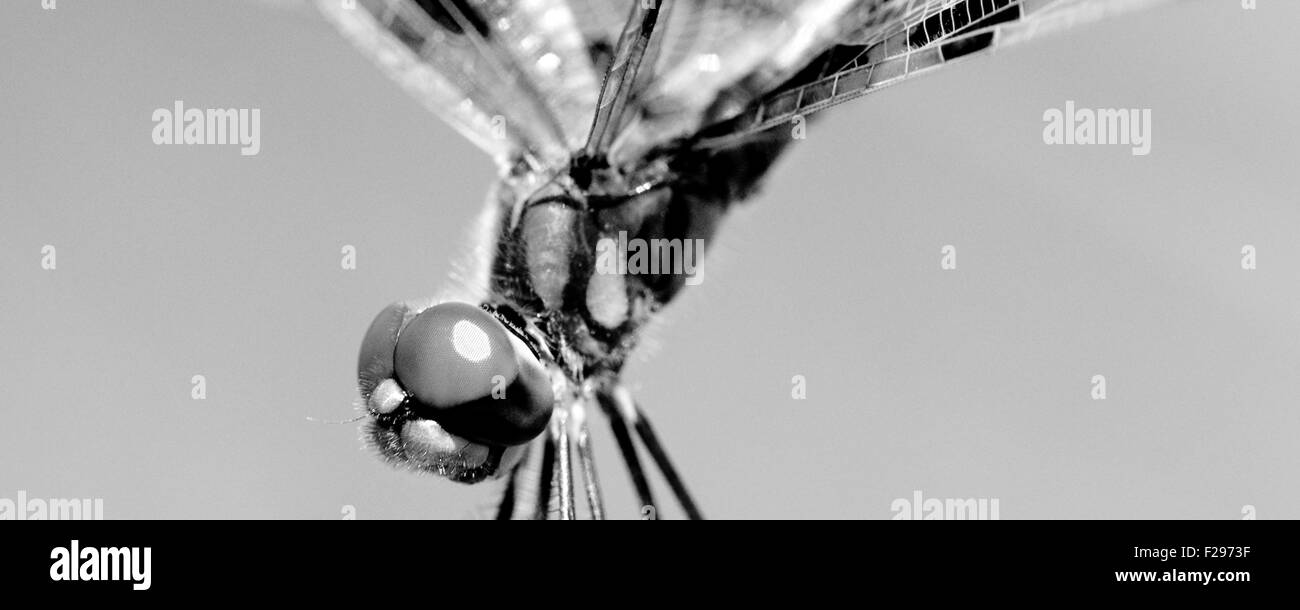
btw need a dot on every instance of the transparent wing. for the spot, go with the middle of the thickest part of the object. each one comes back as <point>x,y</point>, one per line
<point>901,39</point>
<point>514,77</point>
<point>716,56</point>
<point>601,21</point>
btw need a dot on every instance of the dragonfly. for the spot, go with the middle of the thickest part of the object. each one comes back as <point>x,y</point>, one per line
<point>610,121</point>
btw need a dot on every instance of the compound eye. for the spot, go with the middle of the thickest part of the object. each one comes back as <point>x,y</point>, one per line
<point>469,373</point>
<point>450,354</point>
<point>375,362</point>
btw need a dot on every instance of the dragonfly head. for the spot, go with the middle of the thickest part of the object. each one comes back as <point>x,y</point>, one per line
<point>452,389</point>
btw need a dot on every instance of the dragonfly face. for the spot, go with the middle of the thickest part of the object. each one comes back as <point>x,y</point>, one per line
<point>452,389</point>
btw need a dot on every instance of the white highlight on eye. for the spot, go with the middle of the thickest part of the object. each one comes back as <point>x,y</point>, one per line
<point>470,341</point>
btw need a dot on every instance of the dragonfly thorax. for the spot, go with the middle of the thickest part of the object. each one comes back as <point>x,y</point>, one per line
<point>590,266</point>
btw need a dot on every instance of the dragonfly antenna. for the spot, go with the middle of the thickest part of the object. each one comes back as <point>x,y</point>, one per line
<point>334,422</point>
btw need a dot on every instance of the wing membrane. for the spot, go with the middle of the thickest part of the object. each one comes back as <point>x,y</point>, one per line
<point>620,79</point>
<point>900,39</point>
<point>719,55</point>
<point>601,21</point>
<point>514,77</point>
<point>519,77</point>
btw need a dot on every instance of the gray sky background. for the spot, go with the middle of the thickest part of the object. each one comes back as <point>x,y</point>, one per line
<point>1072,261</point>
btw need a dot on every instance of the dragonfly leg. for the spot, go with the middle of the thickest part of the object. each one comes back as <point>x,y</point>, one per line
<point>546,472</point>
<point>625,446</point>
<point>629,410</point>
<point>563,464</point>
<point>519,499</point>
<point>506,508</point>
<point>647,434</point>
<point>587,460</point>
